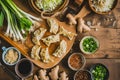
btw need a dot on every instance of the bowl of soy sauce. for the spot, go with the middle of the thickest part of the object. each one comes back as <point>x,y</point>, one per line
<point>24,68</point>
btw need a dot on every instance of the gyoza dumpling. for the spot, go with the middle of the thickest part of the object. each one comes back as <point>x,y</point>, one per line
<point>45,55</point>
<point>53,25</point>
<point>35,52</point>
<point>36,40</point>
<point>61,49</point>
<point>51,39</point>
<point>38,34</point>
<point>67,34</point>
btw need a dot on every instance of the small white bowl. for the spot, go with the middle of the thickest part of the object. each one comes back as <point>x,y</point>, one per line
<point>5,50</point>
<point>83,61</point>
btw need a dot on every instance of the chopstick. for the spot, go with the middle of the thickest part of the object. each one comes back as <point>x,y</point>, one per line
<point>9,72</point>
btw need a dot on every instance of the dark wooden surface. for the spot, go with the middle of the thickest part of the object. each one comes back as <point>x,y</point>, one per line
<point>107,34</point>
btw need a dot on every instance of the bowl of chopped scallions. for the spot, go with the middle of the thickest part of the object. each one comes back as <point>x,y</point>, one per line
<point>89,44</point>
<point>49,7</point>
<point>99,72</point>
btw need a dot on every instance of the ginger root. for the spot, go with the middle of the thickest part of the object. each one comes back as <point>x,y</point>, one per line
<point>42,75</point>
<point>63,76</point>
<point>81,26</point>
<point>54,73</point>
<point>35,77</point>
<point>72,20</point>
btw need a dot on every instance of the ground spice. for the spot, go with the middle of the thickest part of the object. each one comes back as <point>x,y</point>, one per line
<point>83,75</point>
<point>76,61</point>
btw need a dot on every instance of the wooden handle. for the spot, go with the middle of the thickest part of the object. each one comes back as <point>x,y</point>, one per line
<point>83,12</point>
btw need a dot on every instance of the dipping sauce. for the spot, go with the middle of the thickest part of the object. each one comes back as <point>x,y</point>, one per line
<point>82,75</point>
<point>24,68</point>
<point>11,56</point>
<point>76,61</point>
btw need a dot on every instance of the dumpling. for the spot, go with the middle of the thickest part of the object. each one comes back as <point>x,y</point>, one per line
<point>45,55</point>
<point>35,52</point>
<point>67,34</point>
<point>53,25</point>
<point>51,39</point>
<point>36,40</point>
<point>38,34</point>
<point>61,49</point>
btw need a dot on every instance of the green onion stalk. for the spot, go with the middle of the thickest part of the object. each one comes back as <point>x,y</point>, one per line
<point>19,22</point>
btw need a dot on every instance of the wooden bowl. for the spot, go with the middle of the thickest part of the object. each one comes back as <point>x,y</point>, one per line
<point>59,9</point>
<point>98,12</point>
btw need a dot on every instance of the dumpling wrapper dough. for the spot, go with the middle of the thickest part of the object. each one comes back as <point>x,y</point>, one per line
<point>36,40</point>
<point>38,34</point>
<point>51,39</point>
<point>35,52</point>
<point>45,55</point>
<point>66,33</point>
<point>61,49</point>
<point>53,25</point>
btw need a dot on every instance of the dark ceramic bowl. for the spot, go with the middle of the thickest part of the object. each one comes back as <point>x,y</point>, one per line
<point>80,73</point>
<point>99,64</point>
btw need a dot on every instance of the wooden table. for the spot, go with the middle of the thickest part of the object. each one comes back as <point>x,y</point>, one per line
<point>108,35</point>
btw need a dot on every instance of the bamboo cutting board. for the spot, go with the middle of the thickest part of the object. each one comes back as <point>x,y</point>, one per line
<point>26,47</point>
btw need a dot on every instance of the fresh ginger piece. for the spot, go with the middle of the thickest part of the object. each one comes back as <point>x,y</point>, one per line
<point>35,77</point>
<point>63,76</point>
<point>54,73</point>
<point>42,75</point>
<point>72,20</point>
<point>81,26</point>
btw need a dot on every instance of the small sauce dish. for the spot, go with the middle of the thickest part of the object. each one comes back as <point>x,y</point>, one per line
<point>10,56</point>
<point>76,61</point>
<point>24,68</point>
<point>83,75</point>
